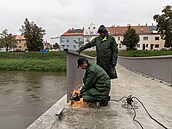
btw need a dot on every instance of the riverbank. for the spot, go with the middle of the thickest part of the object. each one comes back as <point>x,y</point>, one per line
<point>33,61</point>
<point>55,61</point>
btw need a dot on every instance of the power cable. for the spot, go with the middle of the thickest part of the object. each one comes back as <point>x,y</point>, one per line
<point>119,99</point>
<point>130,102</point>
<point>135,117</point>
<point>149,113</point>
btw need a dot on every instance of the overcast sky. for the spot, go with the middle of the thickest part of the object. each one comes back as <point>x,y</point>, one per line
<point>57,16</point>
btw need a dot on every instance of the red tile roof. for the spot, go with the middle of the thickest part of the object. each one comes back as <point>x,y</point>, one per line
<point>74,32</point>
<point>120,30</point>
<point>19,37</point>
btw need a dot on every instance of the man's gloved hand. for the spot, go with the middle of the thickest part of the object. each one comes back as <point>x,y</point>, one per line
<point>79,51</point>
<point>76,97</point>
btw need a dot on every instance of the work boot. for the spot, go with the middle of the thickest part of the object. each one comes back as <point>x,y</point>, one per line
<point>105,102</point>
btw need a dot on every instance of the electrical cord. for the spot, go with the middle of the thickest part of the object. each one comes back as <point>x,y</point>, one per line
<point>119,99</point>
<point>149,113</point>
<point>135,117</point>
<point>130,101</point>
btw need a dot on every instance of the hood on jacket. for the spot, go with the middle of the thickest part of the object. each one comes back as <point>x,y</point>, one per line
<point>102,29</point>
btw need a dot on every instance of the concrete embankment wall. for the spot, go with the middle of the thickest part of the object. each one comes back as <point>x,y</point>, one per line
<point>47,119</point>
<point>159,67</point>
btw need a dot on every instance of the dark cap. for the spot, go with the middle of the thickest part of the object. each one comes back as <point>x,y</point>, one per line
<point>81,61</point>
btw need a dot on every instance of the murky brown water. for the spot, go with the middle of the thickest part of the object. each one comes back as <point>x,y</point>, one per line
<point>24,96</point>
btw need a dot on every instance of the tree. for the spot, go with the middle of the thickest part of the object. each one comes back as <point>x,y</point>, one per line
<point>56,46</point>
<point>7,40</point>
<point>164,25</point>
<point>130,38</point>
<point>33,34</point>
<point>81,43</point>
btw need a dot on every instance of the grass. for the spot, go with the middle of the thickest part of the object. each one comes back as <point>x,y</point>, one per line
<point>136,53</point>
<point>144,53</point>
<point>55,61</point>
<point>33,61</point>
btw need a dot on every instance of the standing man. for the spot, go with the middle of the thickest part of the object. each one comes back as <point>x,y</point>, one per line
<point>106,49</point>
<point>96,83</point>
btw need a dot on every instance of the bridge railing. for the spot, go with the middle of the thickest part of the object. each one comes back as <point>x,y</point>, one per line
<point>159,67</point>
<point>74,74</point>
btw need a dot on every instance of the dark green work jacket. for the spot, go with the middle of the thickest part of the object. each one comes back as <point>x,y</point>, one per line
<point>96,84</point>
<point>107,53</point>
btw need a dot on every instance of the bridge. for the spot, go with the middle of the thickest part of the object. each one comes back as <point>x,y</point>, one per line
<point>150,92</point>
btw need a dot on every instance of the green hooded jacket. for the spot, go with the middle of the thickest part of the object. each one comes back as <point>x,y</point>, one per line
<point>106,50</point>
<point>96,84</point>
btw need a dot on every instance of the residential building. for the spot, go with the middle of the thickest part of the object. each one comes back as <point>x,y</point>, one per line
<point>156,42</point>
<point>54,40</point>
<point>89,34</point>
<point>72,39</point>
<point>21,43</point>
<point>149,38</point>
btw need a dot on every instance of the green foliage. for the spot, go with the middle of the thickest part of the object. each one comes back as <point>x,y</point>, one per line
<point>144,53</point>
<point>56,46</point>
<point>7,40</point>
<point>90,53</point>
<point>33,34</point>
<point>33,61</point>
<point>164,25</point>
<point>130,38</point>
<point>33,55</point>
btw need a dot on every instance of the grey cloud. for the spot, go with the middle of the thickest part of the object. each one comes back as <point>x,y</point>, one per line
<point>56,16</point>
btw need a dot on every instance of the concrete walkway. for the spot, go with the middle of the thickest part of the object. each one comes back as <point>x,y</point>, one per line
<point>157,98</point>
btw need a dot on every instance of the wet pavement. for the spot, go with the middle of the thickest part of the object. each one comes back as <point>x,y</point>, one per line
<point>155,96</point>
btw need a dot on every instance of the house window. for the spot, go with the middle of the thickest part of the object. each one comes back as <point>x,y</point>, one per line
<point>156,45</point>
<point>62,40</point>
<point>91,32</point>
<point>146,45</point>
<point>74,40</point>
<point>67,46</point>
<point>145,38</point>
<point>63,46</point>
<point>74,46</point>
<point>87,40</point>
<point>156,38</point>
<point>118,38</point>
<point>79,39</point>
<point>67,40</point>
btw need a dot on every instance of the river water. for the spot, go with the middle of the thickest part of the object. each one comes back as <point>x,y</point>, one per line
<point>24,96</point>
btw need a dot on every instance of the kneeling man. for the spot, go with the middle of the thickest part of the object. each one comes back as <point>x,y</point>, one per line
<point>96,83</point>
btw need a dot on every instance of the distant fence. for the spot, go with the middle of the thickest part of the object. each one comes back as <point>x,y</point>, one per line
<point>159,67</point>
<point>74,75</point>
